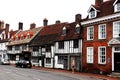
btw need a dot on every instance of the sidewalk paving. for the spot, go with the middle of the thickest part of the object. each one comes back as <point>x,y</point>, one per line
<point>104,77</point>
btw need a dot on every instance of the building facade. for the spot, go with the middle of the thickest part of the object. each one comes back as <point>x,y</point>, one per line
<point>68,47</point>
<point>4,39</point>
<point>45,43</point>
<point>19,45</point>
<point>101,37</point>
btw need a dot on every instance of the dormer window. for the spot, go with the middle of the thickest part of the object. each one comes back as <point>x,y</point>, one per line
<point>22,37</point>
<point>28,36</point>
<point>16,38</point>
<point>117,7</point>
<point>64,31</point>
<point>77,28</point>
<point>92,14</point>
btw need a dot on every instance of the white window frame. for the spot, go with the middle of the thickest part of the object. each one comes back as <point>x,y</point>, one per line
<point>117,7</point>
<point>92,14</point>
<point>89,34</point>
<point>90,55</point>
<point>100,57</point>
<point>116,29</point>
<point>102,31</point>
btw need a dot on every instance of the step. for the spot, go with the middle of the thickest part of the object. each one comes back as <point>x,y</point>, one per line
<point>115,75</point>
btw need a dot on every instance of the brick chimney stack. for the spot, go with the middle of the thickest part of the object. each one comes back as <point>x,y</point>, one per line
<point>20,26</point>
<point>7,30</point>
<point>45,22</point>
<point>32,25</point>
<point>78,18</point>
<point>7,27</point>
<point>98,2</point>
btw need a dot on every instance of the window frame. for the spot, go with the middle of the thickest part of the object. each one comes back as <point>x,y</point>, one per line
<point>90,55</point>
<point>61,45</point>
<point>89,34</point>
<point>91,15</point>
<point>64,31</point>
<point>101,56</point>
<point>116,29</point>
<point>76,43</point>
<point>117,7</point>
<point>100,32</point>
<point>77,28</point>
<point>48,60</point>
<point>60,60</point>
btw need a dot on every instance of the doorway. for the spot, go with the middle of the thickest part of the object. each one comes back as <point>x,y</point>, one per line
<point>117,62</point>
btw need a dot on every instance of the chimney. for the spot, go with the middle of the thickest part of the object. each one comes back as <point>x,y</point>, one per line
<point>45,22</point>
<point>7,27</point>
<point>57,22</point>
<point>20,26</point>
<point>78,18</point>
<point>1,24</point>
<point>32,25</point>
<point>98,2</point>
<point>6,30</point>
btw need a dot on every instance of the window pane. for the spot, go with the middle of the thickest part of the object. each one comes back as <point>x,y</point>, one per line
<point>116,29</point>
<point>102,31</point>
<point>61,45</point>
<point>90,33</point>
<point>76,42</point>
<point>102,55</point>
<point>89,54</point>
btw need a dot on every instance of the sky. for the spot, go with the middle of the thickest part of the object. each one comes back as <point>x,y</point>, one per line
<point>34,11</point>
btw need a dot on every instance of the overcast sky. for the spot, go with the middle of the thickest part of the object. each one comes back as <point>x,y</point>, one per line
<point>29,11</point>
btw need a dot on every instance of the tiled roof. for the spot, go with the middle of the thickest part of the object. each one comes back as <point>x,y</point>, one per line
<point>48,34</point>
<point>71,33</point>
<point>52,33</point>
<point>32,32</point>
<point>106,8</point>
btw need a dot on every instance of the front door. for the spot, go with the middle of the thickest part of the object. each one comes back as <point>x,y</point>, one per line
<point>65,64</point>
<point>117,62</point>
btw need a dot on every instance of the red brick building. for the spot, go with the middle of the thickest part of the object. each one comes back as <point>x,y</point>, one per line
<point>101,49</point>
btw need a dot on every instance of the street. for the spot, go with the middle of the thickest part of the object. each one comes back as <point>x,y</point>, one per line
<point>8,72</point>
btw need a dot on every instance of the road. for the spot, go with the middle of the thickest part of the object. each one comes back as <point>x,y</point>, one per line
<point>8,72</point>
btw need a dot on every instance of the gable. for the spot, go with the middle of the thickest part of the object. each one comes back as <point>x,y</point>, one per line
<point>92,8</point>
<point>116,1</point>
<point>114,41</point>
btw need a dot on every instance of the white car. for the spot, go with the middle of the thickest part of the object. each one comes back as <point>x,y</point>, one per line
<point>5,62</point>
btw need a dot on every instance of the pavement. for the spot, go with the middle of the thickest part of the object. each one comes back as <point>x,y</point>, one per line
<point>104,77</point>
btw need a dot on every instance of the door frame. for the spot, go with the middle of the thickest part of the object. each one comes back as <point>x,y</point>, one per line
<point>113,53</point>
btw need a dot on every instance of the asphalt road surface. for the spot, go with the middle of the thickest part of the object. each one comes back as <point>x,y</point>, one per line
<point>8,72</point>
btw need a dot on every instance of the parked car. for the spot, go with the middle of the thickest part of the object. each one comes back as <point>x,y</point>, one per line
<point>5,62</point>
<point>23,64</point>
